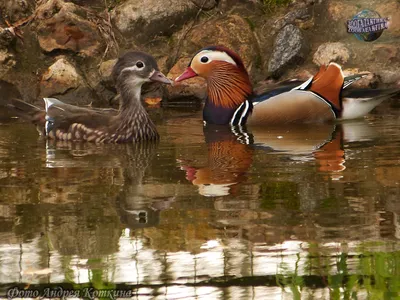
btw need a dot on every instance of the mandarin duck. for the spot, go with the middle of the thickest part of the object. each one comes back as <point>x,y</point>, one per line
<point>131,123</point>
<point>231,100</point>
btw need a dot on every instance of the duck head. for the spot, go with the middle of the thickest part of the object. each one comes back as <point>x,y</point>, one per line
<point>228,83</point>
<point>135,68</point>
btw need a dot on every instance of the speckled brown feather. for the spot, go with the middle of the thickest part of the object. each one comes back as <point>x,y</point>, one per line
<point>100,126</point>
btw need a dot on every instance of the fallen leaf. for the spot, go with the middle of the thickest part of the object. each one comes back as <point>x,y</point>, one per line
<point>153,101</point>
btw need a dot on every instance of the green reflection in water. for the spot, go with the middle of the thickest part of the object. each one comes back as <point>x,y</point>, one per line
<point>274,193</point>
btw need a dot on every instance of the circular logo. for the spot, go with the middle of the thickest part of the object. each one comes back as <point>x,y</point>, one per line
<point>370,25</point>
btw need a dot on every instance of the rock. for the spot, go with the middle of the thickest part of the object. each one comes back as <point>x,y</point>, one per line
<point>289,48</point>
<point>59,78</point>
<point>106,70</point>
<point>13,11</point>
<point>389,77</point>
<point>391,10</point>
<point>7,61</point>
<point>301,14</point>
<point>385,52</point>
<point>339,10</point>
<point>141,20</point>
<point>194,87</point>
<point>66,26</point>
<point>98,5</point>
<point>331,52</point>
<point>6,37</point>
<point>63,81</point>
<point>205,4</point>
<point>370,81</point>
<point>233,32</point>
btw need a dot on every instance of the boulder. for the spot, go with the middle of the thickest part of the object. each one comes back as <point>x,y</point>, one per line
<point>391,10</point>
<point>389,77</point>
<point>388,53</point>
<point>6,37</point>
<point>233,32</point>
<point>289,48</point>
<point>7,61</point>
<point>295,16</point>
<point>331,52</point>
<point>205,4</point>
<point>98,5</point>
<point>141,20</point>
<point>339,10</point>
<point>66,26</point>
<point>59,78</point>
<point>192,88</point>
<point>13,11</point>
<point>105,70</point>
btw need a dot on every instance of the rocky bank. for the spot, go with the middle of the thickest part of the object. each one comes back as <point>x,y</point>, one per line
<point>66,48</point>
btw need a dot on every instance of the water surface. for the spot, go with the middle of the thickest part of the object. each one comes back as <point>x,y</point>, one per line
<point>306,212</point>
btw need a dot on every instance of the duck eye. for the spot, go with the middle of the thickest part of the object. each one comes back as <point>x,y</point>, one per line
<point>204,59</point>
<point>140,64</point>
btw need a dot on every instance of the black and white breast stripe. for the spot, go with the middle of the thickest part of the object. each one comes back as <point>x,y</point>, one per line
<point>241,113</point>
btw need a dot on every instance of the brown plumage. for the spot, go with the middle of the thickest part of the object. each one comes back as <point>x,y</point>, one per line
<point>328,83</point>
<point>130,123</point>
<point>227,86</point>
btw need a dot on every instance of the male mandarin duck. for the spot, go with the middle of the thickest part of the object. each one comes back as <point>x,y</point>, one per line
<point>131,123</point>
<point>230,98</point>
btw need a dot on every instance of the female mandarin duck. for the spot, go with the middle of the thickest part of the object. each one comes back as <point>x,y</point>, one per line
<point>230,97</point>
<point>130,123</point>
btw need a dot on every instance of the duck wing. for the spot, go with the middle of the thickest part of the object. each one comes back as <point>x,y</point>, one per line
<point>316,100</point>
<point>288,85</point>
<point>66,122</point>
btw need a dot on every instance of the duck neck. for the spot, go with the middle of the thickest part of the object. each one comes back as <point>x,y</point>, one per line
<point>134,120</point>
<point>227,90</point>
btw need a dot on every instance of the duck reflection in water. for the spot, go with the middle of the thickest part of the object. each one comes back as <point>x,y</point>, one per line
<point>229,158</point>
<point>137,204</point>
<point>231,150</point>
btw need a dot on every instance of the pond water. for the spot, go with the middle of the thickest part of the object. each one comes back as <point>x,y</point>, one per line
<point>306,212</point>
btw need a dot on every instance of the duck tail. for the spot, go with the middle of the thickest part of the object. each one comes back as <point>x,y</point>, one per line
<point>371,93</point>
<point>349,80</point>
<point>24,110</point>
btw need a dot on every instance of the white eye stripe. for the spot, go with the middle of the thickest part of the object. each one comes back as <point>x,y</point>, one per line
<point>132,68</point>
<point>215,55</point>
